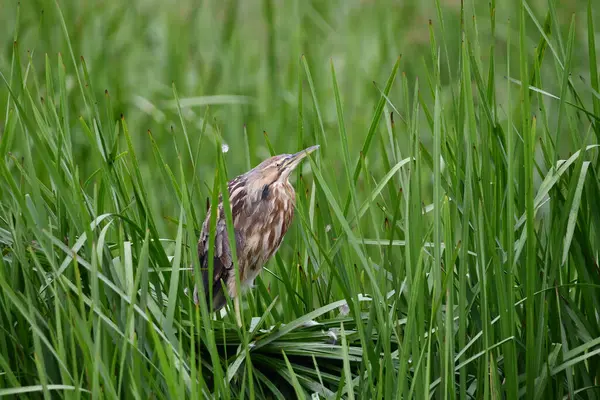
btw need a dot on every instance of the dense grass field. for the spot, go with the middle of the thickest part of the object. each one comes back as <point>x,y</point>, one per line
<point>447,233</point>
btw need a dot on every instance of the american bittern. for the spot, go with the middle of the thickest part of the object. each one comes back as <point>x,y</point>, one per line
<point>262,205</point>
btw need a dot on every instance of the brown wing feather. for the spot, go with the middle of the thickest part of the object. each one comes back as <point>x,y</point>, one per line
<point>223,261</point>
<point>221,265</point>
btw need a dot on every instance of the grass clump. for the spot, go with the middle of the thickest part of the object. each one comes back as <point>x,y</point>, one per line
<point>446,236</point>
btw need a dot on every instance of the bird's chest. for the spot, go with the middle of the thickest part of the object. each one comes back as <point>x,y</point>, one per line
<point>266,227</point>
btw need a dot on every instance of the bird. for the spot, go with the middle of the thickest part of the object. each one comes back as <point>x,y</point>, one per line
<point>262,203</point>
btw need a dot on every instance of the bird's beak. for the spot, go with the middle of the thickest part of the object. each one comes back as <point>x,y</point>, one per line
<point>294,159</point>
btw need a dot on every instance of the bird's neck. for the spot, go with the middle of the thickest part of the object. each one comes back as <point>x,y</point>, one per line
<point>282,190</point>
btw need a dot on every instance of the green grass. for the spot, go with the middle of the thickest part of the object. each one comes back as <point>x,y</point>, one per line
<point>447,233</point>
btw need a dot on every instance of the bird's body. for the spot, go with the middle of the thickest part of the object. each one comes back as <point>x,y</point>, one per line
<point>262,205</point>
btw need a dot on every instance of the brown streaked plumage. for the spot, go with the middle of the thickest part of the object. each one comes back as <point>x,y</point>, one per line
<point>262,205</point>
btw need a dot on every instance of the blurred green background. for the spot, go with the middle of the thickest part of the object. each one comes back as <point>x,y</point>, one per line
<point>244,59</point>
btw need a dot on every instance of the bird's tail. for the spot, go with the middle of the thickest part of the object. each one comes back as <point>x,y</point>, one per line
<point>219,299</point>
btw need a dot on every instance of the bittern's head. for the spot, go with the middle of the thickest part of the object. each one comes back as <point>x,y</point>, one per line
<point>278,168</point>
